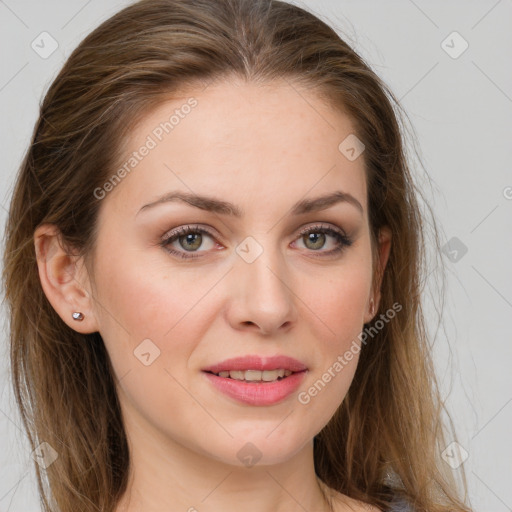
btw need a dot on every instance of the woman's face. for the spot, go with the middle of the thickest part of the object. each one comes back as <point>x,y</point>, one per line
<point>244,282</point>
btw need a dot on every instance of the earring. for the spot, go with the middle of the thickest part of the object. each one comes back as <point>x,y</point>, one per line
<point>77,316</point>
<point>372,306</point>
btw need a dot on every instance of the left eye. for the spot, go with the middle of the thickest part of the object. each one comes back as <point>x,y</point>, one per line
<point>191,238</point>
<point>315,237</point>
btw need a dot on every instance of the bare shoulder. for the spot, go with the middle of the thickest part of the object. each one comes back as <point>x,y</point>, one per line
<point>343,503</point>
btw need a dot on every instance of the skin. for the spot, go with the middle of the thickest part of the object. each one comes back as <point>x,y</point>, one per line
<point>263,148</point>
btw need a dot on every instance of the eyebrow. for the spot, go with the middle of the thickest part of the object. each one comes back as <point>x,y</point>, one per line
<point>212,204</point>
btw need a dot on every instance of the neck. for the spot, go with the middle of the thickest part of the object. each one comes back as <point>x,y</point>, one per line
<point>177,478</point>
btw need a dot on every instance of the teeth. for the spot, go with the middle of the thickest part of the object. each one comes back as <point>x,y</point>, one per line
<point>256,375</point>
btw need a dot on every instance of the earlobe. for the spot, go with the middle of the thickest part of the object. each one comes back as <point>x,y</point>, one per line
<point>63,279</point>
<point>371,307</point>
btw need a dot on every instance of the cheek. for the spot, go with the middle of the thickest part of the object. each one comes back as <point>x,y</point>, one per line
<point>339,300</point>
<point>149,335</point>
<point>340,303</point>
<point>142,295</point>
<point>136,304</point>
<point>149,308</point>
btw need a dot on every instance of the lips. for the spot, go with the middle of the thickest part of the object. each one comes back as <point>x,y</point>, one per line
<point>257,393</point>
<point>256,380</point>
<point>254,362</point>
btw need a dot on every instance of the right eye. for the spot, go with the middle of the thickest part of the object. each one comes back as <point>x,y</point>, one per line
<point>189,239</point>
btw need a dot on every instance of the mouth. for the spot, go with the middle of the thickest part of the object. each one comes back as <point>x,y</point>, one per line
<point>257,380</point>
<point>256,392</point>
<point>255,376</point>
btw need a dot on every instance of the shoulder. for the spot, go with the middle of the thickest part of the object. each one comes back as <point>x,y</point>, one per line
<point>342,502</point>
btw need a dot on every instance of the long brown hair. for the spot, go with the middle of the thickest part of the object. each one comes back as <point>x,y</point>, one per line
<point>387,434</point>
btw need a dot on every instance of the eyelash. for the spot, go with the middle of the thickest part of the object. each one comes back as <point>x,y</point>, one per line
<point>342,239</point>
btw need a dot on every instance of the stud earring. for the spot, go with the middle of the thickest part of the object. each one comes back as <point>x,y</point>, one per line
<point>77,316</point>
<point>372,307</point>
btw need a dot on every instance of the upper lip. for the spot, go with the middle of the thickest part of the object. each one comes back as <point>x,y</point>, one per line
<point>255,362</point>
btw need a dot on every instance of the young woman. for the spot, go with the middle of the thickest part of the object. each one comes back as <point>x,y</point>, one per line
<point>213,264</point>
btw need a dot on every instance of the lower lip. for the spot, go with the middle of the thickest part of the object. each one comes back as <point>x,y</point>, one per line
<point>257,393</point>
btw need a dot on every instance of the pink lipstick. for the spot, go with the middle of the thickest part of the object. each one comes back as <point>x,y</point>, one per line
<point>257,380</point>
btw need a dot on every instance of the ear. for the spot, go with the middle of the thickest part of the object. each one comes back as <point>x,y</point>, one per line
<point>64,279</point>
<point>383,250</point>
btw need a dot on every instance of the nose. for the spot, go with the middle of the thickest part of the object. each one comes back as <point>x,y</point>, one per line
<point>262,297</point>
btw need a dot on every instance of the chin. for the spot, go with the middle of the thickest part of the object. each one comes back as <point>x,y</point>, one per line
<point>259,449</point>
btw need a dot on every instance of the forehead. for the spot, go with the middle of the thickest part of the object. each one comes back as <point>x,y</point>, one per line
<point>257,141</point>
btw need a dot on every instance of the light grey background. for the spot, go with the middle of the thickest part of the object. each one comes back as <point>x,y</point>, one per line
<point>461,110</point>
